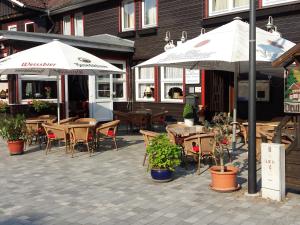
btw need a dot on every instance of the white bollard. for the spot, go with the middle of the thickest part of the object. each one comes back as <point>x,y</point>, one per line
<point>273,171</point>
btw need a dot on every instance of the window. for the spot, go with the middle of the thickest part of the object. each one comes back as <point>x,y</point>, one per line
<point>149,13</point>
<point>225,6</point>
<point>67,25</point>
<point>78,24</point>
<point>12,27</point>
<point>3,91</point>
<point>29,27</point>
<point>144,84</point>
<point>128,15</point>
<point>103,88</point>
<point>274,2</point>
<point>171,84</point>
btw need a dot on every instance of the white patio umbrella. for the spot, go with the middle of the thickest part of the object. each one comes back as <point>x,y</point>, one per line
<point>55,58</point>
<point>225,48</point>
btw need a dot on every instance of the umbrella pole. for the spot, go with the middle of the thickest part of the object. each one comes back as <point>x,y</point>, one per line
<point>235,83</point>
<point>58,100</point>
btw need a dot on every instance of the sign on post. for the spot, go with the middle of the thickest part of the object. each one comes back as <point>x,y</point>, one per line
<point>292,91</point>
<point>273,171</point>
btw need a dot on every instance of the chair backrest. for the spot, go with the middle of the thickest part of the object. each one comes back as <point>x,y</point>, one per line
<point>57,130</point>
<point>48,118</point>
<point>148,136</point>
<point>206,143</point>
<point>171,136</point>
<point>159,117</point>
<point>122,116</point>
<point>67,120</point>
<point>139,119</point>
<point>105,127</point>
<point>79,134</point>
<point>32,127</point>
<point>86,120</point>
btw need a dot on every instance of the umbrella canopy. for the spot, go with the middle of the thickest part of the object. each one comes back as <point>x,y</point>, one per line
<point>55,58</point>
<point>225,48</point>
<point>222,47</point>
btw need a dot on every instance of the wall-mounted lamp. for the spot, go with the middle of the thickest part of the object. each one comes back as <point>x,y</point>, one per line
<point>271,27</point>
<point>183,36</point>
<point>202,31</point>
<point>170,43</point>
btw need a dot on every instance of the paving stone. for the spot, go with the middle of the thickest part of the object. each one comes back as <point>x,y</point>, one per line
<point>112,187</point>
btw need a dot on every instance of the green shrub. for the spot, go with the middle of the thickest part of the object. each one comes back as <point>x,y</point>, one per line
<point>188,111</point>
<point>13,128</point>
<point>163,154</point>
<point>3,106</point>
<point>40,105</point>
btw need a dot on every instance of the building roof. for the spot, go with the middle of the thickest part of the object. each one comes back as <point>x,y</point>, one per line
<point>55,6</point>
<point>102,42</point>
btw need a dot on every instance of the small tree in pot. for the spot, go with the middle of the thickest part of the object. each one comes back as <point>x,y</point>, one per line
<point>163,157</point>
<point>13,129</point>
<point>224,178</point>
<point>188,115</point>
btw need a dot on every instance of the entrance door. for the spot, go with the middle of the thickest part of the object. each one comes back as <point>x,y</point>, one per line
<point>101,97</point>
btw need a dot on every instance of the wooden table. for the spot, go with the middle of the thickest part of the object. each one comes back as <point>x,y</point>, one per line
<point>182,130</point>
<point>137,116</point>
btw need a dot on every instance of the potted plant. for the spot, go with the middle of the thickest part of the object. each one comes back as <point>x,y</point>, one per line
<point>224,177</point>
<point>163,157</point>
<point>188,115</point>
<point>3,107</point>
<point>13,129</point>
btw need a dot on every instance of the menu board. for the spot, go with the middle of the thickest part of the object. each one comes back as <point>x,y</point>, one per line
<point>192,76</point>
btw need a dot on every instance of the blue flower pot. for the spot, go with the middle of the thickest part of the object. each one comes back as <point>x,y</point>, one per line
<point>161,175</point>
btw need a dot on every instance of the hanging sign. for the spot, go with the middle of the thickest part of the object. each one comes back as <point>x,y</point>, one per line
<point>192,76</point>
<point>292,91</point>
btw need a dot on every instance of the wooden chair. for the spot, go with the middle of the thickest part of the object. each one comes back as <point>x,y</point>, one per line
<point>86,120</point>
<point>123,117</point>
<point>48,118</point>
<point>81,135</point>
<point>159,119</point>
<point>56,133</point>
<point>148,136</point>
<point>200,146</point>
<point>67,120</point>
<point>172,137</point>
<point>34,132</point>
<point>139,121</point>
<point>108,130</point>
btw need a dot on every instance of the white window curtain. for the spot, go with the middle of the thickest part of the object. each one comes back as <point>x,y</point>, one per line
<point>67,25</point>
<point>128,15</point>
<point>147,74</point>
<point>150,11</point>
<point>78,24</point>
<point>220,5</point>
<point>239,3</point>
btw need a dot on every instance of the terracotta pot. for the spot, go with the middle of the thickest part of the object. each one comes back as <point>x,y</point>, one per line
<point>226,181</point>
<point>16,147</point>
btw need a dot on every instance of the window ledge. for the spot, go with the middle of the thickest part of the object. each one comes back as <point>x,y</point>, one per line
<point>172,101</point>
<point>145,100</point>
<point>126,34</point>
<point>147,31</point>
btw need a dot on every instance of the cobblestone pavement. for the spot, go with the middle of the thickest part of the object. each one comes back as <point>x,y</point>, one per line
<point>113,187</point>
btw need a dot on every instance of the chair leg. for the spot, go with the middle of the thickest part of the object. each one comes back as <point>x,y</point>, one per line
<point>88,148</point>
<point>48,146</point>
<point>199,164</point>
<point>145,157</point>
<point>115,141</point>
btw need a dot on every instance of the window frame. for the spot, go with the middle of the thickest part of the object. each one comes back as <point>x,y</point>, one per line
<point>37,78</point>
<point>63,24</point>
<point>139,81</point>
<point>117,80</point>
<point>265,3</point>
<point>165,81</point>
<point>143,16</point>
<point>123,29</point>
<point>230,9</point>
<point>74,24</point>
<point>25,26</point>
<point>11,26</point>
